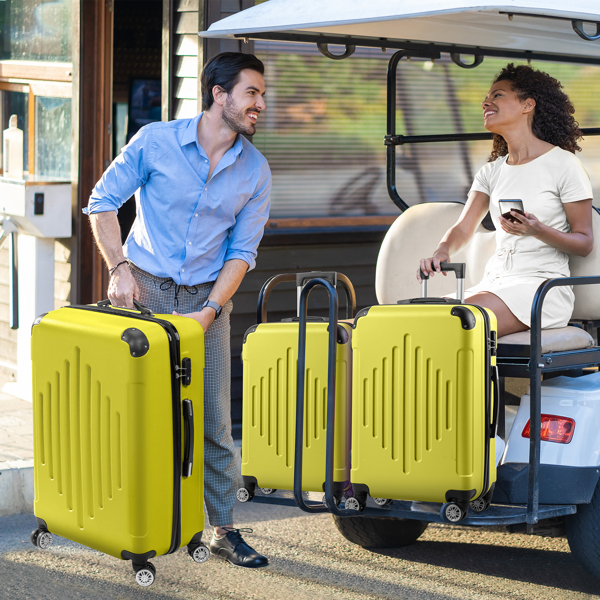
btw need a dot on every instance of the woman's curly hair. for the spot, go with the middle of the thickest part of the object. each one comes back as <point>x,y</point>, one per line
<point>553,119</point>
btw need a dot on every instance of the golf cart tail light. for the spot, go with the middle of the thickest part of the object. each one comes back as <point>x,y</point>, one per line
<point>554,429</point>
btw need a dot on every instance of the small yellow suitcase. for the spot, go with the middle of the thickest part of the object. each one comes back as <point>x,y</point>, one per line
<point>270,356</point>
<point>118,432</point>
<point>424,412</point>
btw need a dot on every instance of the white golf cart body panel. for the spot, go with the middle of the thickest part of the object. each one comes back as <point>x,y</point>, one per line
<point>574,397</point>
<point>469,24</point>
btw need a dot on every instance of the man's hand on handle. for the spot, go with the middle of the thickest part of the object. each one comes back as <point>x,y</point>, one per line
<point>122,287</point>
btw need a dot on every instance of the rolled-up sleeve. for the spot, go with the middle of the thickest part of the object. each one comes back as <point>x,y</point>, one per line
<point>123,177</point>
<point>250,222</point>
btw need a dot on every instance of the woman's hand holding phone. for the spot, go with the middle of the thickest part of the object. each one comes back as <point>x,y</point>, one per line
<point>520,224</point>
<point>514,219</point>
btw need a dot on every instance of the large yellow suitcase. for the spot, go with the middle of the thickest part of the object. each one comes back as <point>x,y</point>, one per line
<point>118,432</point>
<point>423,413</point>
<point>270,356</point>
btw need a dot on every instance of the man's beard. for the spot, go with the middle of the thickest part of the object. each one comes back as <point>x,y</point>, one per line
<point>235,118</point>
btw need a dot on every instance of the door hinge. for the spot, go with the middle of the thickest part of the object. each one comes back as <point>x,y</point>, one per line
<point>109,129</point>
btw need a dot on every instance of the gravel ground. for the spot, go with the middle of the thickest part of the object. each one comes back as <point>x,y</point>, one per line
<point>309,561</point>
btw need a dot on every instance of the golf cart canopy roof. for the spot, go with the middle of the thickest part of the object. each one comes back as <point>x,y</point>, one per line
<point>541,29</point>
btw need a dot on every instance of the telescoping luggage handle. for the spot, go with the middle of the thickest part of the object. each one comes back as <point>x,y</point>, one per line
<point>330,501</point>
<point>301,279</point>
<point>300,380</point>
<point>459,269</point>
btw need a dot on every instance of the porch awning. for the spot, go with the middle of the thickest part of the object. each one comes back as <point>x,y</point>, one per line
<point>501,26</point>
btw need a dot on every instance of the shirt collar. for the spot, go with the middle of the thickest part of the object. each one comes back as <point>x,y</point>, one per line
<point>190,135</point>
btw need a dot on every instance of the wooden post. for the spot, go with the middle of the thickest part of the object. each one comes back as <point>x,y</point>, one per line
<point>95,147</point>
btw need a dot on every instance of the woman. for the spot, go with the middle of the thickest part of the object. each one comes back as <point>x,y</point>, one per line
<point>533,159</point>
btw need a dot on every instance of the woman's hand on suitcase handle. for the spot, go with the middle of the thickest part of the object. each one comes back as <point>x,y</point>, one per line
<point>431,266</point>
<point>123,288</point>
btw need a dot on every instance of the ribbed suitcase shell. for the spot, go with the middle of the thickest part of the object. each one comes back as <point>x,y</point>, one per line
<point>270,356</point>
<point>103,431</point>
<point>419,403</point>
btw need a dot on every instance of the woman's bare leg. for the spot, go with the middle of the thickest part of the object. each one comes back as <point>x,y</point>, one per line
<point>507,322</point>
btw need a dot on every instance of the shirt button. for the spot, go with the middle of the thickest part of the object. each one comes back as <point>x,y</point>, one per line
<point>196,215</point>
<point>183,270</point>
<point>189,243</point>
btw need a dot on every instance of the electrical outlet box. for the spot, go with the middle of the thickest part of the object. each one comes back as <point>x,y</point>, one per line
<point>39,207</point>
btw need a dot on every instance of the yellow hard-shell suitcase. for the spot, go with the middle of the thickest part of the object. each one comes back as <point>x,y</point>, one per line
<point>270,356</point>
<point>424,417</point>
<point>118,432</point>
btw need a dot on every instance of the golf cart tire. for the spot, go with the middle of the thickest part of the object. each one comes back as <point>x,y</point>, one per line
<point>583,533</point>
<point>379,532</point>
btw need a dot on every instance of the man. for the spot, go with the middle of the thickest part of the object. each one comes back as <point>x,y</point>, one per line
<point>202,203</point>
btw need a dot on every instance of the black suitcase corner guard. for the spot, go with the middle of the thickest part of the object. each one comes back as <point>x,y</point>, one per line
<point>467,318</point>
<point>137,341</point>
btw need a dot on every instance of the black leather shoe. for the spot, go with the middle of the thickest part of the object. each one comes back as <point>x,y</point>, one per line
<point>234,549</point>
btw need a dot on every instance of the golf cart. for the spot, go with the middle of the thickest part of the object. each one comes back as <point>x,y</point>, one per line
<point>548,476</point>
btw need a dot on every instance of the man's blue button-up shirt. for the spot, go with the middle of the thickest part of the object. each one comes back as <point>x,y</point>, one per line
<point>187,226</point>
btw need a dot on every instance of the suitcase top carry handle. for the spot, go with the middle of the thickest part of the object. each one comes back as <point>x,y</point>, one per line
<point>459,269</point>
<point>301,279</point>
<point>138,306</point>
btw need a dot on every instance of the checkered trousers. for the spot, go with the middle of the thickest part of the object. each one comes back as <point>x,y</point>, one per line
<point>220,479</point>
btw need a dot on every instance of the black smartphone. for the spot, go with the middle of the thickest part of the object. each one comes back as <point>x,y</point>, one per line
<point>507,205</point>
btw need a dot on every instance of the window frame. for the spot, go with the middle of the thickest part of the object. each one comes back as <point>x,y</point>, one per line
<point>34,87</point>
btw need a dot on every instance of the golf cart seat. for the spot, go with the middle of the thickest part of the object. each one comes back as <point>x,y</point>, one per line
<point>416,233</point>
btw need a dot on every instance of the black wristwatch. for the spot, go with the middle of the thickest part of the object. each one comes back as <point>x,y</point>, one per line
<point>215,306</point>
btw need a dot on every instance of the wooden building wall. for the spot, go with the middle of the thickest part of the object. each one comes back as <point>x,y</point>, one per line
<point>185,53</point>
<point>62,296</point>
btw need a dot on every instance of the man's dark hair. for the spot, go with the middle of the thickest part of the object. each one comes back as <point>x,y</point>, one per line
<point>224,70</point>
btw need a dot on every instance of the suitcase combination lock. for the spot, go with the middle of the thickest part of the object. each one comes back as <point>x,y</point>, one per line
<point>185,371</point>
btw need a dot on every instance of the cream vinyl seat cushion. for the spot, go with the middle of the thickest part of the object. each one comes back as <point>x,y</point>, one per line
<point>416,233</point>
<point>553,340</point>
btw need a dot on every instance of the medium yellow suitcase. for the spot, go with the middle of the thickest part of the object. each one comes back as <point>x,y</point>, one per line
<point>423,413</point>
<point>270,356</point>
<point>118,432</point>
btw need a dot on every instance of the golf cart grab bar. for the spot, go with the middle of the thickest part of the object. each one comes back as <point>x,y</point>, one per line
<point>400,140</point>
<point>578,29</point>
<point>324,50</point>
<point>535,390</point>
<point>456,59</point>
<point>391,130</point>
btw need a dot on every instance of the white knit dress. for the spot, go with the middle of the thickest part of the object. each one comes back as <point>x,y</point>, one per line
<point>522,263</point>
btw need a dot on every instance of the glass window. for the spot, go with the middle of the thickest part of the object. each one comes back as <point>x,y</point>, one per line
<point>16,103</point>
<point>38,30</point>
<point>53,137</point>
